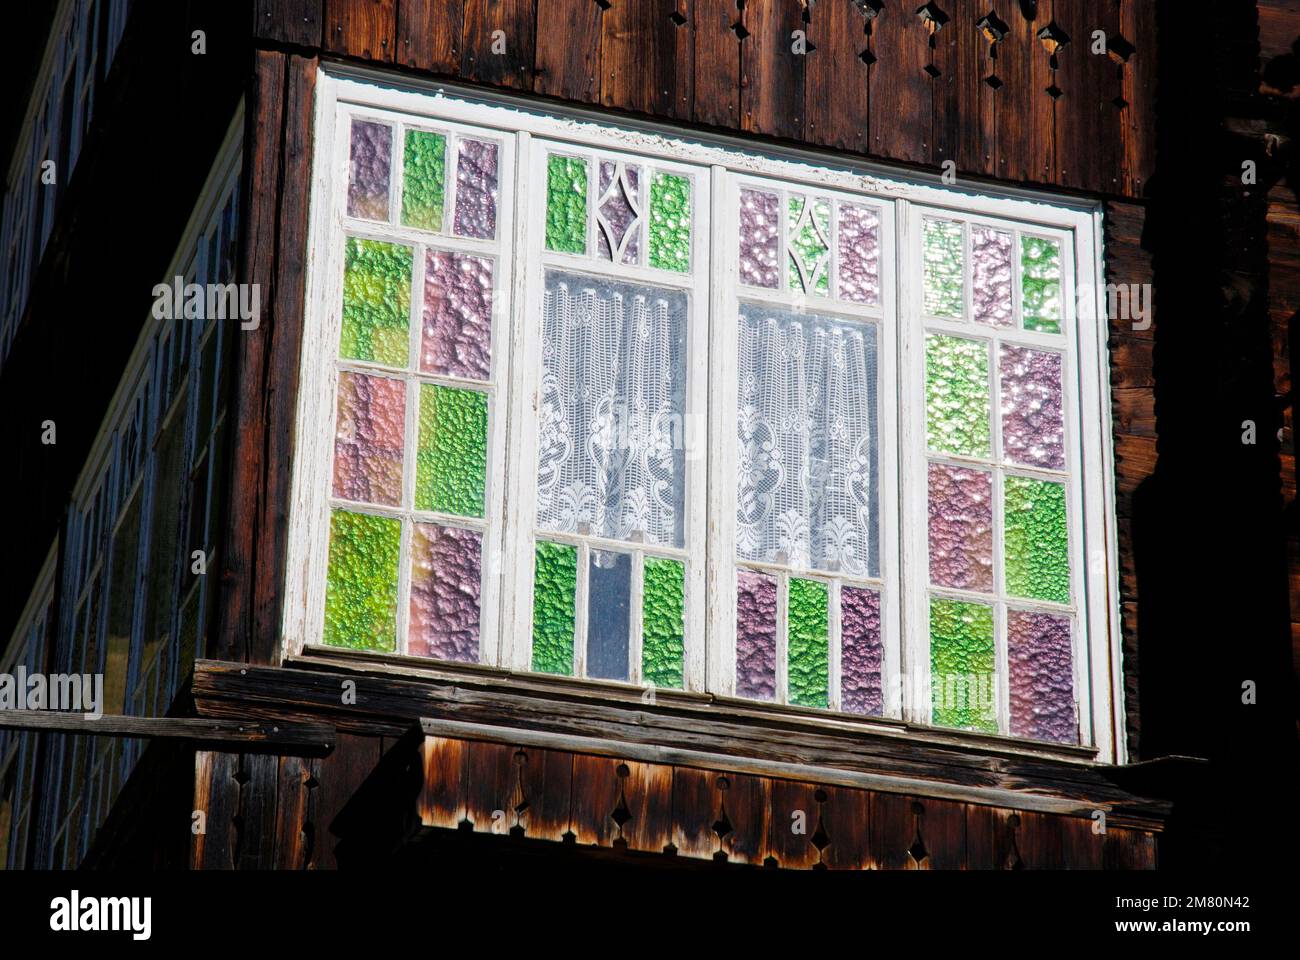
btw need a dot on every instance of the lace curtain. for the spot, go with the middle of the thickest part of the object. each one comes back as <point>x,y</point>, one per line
<point>612,460</point>
<point>808,457</point>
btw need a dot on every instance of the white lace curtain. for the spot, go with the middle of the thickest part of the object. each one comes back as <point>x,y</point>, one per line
<point>611,445</point>
<point>808,459</point>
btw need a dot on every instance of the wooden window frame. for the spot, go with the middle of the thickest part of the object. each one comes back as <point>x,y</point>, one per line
<point>730,162</point>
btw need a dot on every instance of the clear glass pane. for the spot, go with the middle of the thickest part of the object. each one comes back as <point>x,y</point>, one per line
<point>609,603</point>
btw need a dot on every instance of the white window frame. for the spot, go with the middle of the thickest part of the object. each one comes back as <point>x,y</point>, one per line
<point>902,560</point>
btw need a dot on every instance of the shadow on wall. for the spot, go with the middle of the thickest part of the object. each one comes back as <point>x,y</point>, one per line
<point>1208,525</point>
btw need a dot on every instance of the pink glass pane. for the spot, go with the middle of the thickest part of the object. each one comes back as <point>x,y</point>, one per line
<point>476,189</point>
<point>861,652</point>
<point>755,635</point>
<point>961,528</point>
<point>1041,677</point>
<point>368,170</point>
<point>457,335</point>
<point>368,439</point>
<point>445,583</point>
<point>1033,426</point>
<point>619,212</point>
<point>859,254</point>
<point>760,222</point>
<point>991,276</point>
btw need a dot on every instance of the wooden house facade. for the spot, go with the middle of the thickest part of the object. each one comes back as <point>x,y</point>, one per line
<point>186,534</point>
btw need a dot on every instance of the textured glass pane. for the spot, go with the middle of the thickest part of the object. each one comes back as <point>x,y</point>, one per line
<point>670,222</point>
<point>663,647</point>
<point>424,179</point>
<point>961,528</point>
<point>1037,562</point>
<point>609,599</point>
<point>555,585</point>
<point>809,648</point>
<point>807,464</point>
<point>566,204</point>
<point>859,254</point>
<point>476,189</point>
<point>618,212</point>
<point>760,227</point>
<point>1041,677</point>
<point>457,334</point>
<point>445,583</point>
<point>943,256</point>
<point>1033,425</point>
<point>862,653</point>
<point>361,585</point>
<point>810,245</point>
<point>961,665</point>
<point>368,439</point>
<point>376,302</point>
<point>755,635</point>
<point>991,276</point>
<point>1040,262</point>
<point>451,462</point>
<point>611,454</point>
<point>957,396</point>
<point>369,166</point>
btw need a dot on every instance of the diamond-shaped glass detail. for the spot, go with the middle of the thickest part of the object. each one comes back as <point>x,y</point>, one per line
<point>1052,37</point>
<point>932,16</point>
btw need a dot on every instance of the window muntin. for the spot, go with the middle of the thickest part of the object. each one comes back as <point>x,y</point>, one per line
<point>792,274</point>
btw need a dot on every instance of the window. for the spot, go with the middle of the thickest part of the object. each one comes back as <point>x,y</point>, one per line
<point>26,651</point>
<point>614,404</point>
<point>136,608</point>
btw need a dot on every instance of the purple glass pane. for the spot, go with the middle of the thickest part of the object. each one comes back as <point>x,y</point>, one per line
<point>859,254</point>
<point>445,583</point>
<point>755,635</point>
<point>991,276</point>
<point>1041,677</point>
<point>476,189</point>
<point>457,336</point>
<point>618,209</point>
<point>368,170</point>
<point>1033,426</point>
<point>961,528</point>
<point>759,224</point>
<point>368,439</point>
<point>861,652</point>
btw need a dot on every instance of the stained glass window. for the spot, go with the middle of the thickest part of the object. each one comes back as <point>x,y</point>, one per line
<point>414,405</point>
<point>644,393</point>
<point>1002,589</point>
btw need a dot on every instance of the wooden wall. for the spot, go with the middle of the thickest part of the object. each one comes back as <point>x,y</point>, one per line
<point>374,800</point>
<point>884,85</point>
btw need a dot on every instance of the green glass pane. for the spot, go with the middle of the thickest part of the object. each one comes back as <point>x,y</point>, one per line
<point>376,302</point>
<point>1040,262</point>
<point>670,222</point>
<point>451,461</point>
<point>663,645</point>
<point>566,204</point>
<point>555,585</point>
<point>957,396</point>
<point>810,246</point>
<point>809,646</point>
<point>361,584</point>
<point>1037,543</point>
<point>424,176</point>
<point>943,257</point>
<point>961,665</point>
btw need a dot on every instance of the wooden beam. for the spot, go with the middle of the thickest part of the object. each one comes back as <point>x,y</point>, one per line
<point>720,762</point>
<point>251,736</point>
